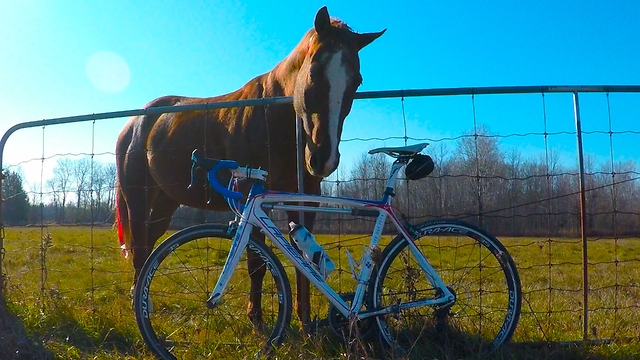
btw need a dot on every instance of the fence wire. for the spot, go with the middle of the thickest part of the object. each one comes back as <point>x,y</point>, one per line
<point>529,199</point>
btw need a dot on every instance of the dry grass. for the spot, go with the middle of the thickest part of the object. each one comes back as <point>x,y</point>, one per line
<point>76,304</point>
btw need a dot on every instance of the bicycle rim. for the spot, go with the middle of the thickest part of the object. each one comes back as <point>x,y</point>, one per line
<point>479,271</point>
<point>175,283</point>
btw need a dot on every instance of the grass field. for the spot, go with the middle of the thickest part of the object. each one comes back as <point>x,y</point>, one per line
<point>67,297</point>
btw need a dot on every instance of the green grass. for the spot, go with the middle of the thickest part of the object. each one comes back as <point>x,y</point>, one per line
<point>76,304</point>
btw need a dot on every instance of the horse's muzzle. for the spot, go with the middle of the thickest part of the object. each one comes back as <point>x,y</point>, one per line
<point>320,166</point>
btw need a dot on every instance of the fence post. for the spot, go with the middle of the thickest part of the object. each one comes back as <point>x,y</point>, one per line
<point>300,157</point>
<point>1,255</point>
<point>583,226</point>
<point>2,251</point>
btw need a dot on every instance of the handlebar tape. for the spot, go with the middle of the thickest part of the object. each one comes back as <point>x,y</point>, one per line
<point>215,184</point>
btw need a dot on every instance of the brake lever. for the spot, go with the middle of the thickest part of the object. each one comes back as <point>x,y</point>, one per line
<point>195,178</point>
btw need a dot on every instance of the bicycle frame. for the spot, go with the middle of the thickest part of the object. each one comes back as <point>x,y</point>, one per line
<point>254,215</point>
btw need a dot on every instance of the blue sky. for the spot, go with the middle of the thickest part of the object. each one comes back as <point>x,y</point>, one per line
<point>63,58</point>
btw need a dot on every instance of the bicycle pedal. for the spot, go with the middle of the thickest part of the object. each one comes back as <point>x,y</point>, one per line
<point>322,323</point>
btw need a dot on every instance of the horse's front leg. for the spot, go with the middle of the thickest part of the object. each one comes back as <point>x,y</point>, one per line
<point>257,270</point>
<point>303,299</point>
<point>303,287</point>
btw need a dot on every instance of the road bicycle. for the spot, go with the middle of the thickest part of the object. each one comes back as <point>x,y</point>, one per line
<point>436,281</point>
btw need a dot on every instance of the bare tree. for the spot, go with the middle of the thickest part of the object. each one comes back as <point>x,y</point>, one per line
<point>80,177</point>
<point>60,186</point>
<point>109,174</point>
<point>369,175</point>
<point>100,188</point>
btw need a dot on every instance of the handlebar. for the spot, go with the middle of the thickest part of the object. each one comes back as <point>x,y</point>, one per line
<point>213,166</point>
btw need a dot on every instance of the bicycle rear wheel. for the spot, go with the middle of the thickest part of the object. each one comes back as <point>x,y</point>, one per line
<point>474,265</point>
<point>175,283</point>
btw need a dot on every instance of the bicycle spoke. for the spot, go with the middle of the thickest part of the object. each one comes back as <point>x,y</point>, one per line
<point>482,316</point>
<point>174,319</point>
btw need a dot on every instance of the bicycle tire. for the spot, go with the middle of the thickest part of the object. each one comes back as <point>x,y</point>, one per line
<point>179,276</point>
<point>472,263</point>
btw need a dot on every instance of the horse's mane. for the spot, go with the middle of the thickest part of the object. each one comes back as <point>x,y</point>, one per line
<point>341,30</point>
<point>293,61</point>
<point>337,23</point>
<point>340,33</point>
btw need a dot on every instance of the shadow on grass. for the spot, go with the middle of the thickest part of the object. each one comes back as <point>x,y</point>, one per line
<point>571,350</point>
<point>325,344</point>
<point>15,343</point>
<point>61,334</point>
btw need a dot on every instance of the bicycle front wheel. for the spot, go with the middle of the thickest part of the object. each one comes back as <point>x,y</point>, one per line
<point>474,265</point>
<point>176,281</point>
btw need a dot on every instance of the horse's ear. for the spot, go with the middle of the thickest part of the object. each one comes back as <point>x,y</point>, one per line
<point>363,40</point>
<point>322,22</point>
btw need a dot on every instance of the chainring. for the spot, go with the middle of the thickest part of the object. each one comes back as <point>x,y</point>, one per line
<point>363,329</point>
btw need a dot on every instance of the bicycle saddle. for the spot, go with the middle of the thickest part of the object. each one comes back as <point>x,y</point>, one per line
<point>400,151</point>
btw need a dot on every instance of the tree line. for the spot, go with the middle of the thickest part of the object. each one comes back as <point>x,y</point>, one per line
<point>504,192</point>
<point>475,180</point>
<point>80,191</point>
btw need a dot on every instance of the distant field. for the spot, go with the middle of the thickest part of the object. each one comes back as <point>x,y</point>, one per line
<point>67,296</point>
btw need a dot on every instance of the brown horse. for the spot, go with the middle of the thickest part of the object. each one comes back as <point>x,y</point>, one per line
<point>153,152</point>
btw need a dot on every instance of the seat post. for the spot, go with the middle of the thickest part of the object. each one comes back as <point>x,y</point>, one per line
<point>389,190</point>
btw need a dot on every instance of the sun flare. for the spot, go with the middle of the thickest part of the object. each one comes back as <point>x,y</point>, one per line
<point>108,71</point>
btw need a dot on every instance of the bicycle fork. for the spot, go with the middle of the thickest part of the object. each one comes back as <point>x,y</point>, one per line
<point>238,245</point>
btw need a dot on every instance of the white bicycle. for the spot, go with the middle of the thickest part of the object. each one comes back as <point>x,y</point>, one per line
<point>437,281</point>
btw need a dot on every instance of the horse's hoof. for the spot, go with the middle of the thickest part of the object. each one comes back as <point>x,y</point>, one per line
<point>258,325</point>
<point>256,318</point>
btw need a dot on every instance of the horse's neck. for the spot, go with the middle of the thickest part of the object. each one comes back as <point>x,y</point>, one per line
<point>286,71</point>
<point>280,81</point>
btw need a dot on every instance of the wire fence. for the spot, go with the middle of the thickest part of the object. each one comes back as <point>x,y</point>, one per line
<point>556,179</point>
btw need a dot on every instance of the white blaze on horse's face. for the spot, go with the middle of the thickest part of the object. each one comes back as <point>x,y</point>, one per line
<point>337,79</point>
<point>323,98</point>
<point>332,81</point>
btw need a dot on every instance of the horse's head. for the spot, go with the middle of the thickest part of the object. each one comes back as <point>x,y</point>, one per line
<point>325,86</point>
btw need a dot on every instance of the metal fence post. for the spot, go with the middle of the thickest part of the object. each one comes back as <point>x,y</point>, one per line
<point>300,157</point>
<point>583,226</point>
<point>1,256</point>
<point>2,251</point>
